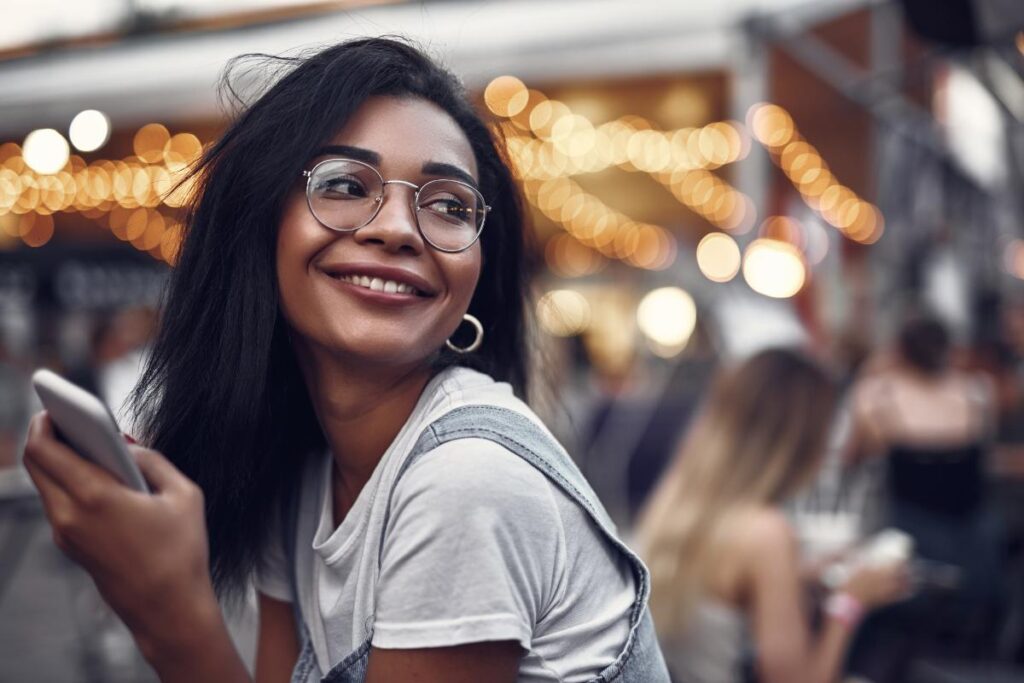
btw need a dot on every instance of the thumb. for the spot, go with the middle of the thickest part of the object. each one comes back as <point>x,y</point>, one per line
<point>158,470</point>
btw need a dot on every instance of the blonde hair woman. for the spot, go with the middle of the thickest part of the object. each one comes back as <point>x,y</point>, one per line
<point>723,556</point>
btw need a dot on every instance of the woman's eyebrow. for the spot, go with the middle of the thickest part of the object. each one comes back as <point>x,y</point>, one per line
<point>357,153</point>
<point>442,169</point>
<point>436,168</point>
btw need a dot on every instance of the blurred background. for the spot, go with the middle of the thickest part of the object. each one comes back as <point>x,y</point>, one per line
<point>705,180</point>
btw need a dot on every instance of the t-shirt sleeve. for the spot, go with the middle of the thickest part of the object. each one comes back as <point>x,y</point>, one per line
<point>473,550</point>
<point>272,572</point>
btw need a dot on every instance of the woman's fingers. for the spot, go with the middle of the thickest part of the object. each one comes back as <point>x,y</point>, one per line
<point>81,479</point>
<point>55,499</point>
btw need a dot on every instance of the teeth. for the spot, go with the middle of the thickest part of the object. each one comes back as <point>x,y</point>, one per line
<point>378,285</point>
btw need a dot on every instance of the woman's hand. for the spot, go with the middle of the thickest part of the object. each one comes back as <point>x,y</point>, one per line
<point>147,553</point>
<point>877,585</point>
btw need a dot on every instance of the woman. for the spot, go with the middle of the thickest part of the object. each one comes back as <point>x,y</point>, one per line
<point>724,558</point>
<point>406,516</point>
<point>924,426</point>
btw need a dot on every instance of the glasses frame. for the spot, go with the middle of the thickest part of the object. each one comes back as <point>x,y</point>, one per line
<point>379,201</point>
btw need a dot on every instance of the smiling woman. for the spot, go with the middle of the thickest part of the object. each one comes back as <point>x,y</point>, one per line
<point>403,514</point>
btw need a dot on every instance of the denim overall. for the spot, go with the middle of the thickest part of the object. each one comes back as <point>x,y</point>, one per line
<point>640,660</point>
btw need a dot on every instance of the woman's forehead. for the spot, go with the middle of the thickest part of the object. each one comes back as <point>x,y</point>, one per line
<point>406,134</point>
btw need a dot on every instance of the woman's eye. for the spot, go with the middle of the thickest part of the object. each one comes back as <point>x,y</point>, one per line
<point>450,207</point>
<point>342,187</point>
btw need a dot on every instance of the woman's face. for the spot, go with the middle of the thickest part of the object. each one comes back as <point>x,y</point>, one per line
<point>321,273</point>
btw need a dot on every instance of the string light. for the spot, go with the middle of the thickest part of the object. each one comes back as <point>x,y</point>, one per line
<point>548,142</point>
<point>125,193</point>
<point>597,226</point>
<point>800,161</point>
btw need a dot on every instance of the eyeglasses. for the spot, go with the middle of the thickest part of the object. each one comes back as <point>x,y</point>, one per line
<point>345,195</point>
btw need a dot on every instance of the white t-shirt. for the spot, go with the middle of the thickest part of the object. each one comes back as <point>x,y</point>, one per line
<point>481,546</point>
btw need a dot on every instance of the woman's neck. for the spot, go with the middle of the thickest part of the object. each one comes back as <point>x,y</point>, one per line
<point>361,409</point>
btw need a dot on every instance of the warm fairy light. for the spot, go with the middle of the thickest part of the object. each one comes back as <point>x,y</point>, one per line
<point>667,317</point>
<point>1020,42</point>
<point>152,233</point>
<point>565,143</point>
<point>506,96</point>
<point>771,125</point>
<point>710,197</point>
<point>40,232</point>
<point>181,151</point>
<point>783,229</point>
<point>149,142</point>
<point>28,200</point>
<point>594,224</point>
<point>840,206</point>
<point>774,268</point>
<point>45,151</point>
<point>10,189</point>
<point>563,312</point>
<point>718,257</point>
<point>89,130</point>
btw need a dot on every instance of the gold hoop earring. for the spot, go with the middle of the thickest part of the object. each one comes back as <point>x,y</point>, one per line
<point>476,342</point>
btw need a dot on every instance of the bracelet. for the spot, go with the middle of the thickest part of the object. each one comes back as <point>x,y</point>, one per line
<point>845,609</point>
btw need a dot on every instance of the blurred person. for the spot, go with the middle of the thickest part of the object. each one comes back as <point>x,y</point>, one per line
<point>724,558</point>
<point>405,515</point>
<point>929,426</point>
<point>120,348</point>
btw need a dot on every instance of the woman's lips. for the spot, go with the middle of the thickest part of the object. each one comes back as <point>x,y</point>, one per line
<point>378,290</point>
<point>378,278</point>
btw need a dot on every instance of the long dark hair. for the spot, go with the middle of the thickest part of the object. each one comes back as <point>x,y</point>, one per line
<point>222,395</point>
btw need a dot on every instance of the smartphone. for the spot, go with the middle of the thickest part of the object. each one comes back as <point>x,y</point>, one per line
<point>85,424</point>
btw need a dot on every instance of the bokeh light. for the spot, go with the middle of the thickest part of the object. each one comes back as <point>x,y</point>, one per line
<point>506,96</point>
<point>45,151</point>
<point>667,317</point>
<point>149,142</point>
<point>563,312</point>
<point>774,268</point>
<point>89,130</point>
<point>181,151</point>
<point>718,257</point>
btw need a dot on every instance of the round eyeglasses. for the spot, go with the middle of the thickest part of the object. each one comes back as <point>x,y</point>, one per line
<point>345,195</point>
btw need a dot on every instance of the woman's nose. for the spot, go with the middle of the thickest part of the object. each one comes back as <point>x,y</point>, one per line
<point>394,227</point>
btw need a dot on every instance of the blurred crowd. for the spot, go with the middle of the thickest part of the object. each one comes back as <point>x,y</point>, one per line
<point>858,520</point>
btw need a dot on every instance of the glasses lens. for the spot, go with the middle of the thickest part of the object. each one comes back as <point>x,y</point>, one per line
<point>451,214</point>
<point>342,193</point>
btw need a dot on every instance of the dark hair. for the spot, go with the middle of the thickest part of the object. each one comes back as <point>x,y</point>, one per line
<point>222,395</point>
<point>924,343</point>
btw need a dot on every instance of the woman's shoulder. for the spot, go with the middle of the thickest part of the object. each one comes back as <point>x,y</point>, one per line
<point>749,540</point>
<point>474,462</point>
<point>758,529</point>
<point>479,473</point>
